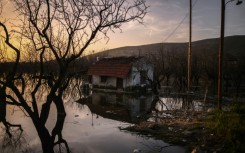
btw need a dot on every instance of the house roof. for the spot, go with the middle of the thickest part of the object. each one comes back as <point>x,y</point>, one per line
<point>113,67</point>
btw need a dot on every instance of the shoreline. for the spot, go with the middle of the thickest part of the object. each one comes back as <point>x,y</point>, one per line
<point>184,128</point>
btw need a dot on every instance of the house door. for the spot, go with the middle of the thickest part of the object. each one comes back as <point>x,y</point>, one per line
<point>119,83</point>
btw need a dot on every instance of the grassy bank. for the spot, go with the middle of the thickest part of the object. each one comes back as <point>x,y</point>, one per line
<point>229,126</point>
<point>216,131</point>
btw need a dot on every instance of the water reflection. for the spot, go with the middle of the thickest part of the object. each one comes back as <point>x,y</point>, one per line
<point>96,133</point>
<point>86,131</point>
<point>135,108</point>
<point>90,125</point>
<point>179,103</point>
<point>118,106</point>
<point>15,143</point>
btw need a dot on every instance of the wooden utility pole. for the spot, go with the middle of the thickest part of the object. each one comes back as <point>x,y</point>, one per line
<point>189,49</point>
<point>221,50</point>
<point>220,54</point>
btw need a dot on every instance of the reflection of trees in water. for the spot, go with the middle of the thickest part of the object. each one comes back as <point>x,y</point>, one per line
<point>164,106</point>
<point>57,130</point>
<point>15,143</point>
<point>187,102</point>
<point>74,90</point>
<point>3,105</point>
<point>37,96</point>
<point>183,102</point>
<point>74,105</point>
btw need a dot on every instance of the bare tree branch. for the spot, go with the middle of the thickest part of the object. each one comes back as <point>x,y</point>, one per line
<point>58,31</point>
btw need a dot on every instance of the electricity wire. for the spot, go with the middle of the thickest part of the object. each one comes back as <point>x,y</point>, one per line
<point>181,22</point>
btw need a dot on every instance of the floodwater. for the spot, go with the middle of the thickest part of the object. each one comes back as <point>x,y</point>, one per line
<point>92,125</point>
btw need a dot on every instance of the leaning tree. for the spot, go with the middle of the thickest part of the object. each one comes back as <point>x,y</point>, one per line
<point>57,30</point>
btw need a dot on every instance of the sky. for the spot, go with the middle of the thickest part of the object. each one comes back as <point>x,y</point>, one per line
<point>165,15</point>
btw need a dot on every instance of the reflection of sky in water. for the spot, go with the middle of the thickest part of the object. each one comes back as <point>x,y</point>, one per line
<point>88,133</point>
<point>177,104</point>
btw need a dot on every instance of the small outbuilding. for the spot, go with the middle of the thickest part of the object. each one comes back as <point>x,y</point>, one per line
<point>121,73</point>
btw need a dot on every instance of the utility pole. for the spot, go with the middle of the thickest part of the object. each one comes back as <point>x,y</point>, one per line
<point>189,48</point>
<point>221,50</point>
<point>220,54</point>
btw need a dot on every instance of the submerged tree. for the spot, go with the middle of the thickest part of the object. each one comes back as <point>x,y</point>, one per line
<point>58,30</point>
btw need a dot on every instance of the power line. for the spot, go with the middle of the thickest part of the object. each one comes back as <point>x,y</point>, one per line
<point>176,28</point>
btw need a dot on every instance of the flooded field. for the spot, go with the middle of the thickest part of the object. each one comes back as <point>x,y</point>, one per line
<point>92,125</point>
<point>93,122</point>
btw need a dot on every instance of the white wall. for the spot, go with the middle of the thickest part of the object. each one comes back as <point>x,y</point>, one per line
<point>135,73</point>
<point>111,81</point>
<point>150,71</point>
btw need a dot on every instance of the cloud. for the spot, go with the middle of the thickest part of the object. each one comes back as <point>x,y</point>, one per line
<point>165,15</point>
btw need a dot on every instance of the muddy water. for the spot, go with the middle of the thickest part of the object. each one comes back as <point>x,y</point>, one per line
<point>92,125</point>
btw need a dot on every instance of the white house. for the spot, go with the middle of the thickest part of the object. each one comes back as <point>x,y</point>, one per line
<point>121,72</point>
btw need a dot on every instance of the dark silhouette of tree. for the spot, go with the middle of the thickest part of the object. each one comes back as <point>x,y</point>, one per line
<point>58,30</point>
<point>180,79</point>
<point>197,70</point>
<point>3,105</point>
<point>163,70</point>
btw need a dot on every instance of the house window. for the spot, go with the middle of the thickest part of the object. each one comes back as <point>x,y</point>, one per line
<point>103,79</point>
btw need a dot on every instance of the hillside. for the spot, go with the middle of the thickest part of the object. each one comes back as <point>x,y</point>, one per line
<point>234,45</point>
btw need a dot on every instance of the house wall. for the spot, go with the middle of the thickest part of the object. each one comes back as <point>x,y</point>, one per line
<point>110,82</point>
<point>95,80</point>
<point>127,82</point>
<point>134,77</point>
<point>150,72</point>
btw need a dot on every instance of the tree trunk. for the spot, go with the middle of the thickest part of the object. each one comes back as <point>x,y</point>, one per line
<point>45,137</point>
<point>61,114</point>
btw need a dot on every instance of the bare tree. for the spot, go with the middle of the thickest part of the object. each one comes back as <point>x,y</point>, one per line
<point>3,55</point>
<point>210,70</point>
<point>179,74</point>
<point>162,68</point>
<point>196,71</point>
<point>59,30</point>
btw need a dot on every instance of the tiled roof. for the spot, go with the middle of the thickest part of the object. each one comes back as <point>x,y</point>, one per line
<point>114,67</point>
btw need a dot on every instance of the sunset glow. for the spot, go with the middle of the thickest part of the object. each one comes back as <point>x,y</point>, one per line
<point>162,19</point>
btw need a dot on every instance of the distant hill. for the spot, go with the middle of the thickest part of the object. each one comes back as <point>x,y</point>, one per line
<point>234,45</point>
